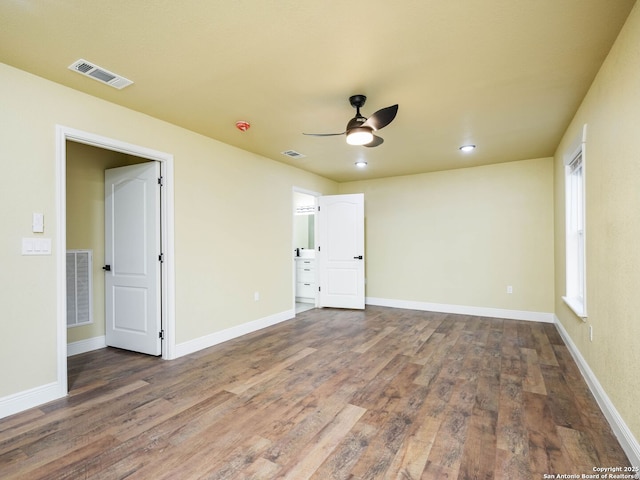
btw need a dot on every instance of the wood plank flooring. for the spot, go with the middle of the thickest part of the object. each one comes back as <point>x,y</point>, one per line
<point>333,394</point>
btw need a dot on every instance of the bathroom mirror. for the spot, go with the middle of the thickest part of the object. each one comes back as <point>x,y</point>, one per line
<point>304,207</point>
<point>304,231</point>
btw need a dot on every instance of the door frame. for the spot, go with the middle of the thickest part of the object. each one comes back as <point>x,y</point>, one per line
<point>315,230</point>
<point>64,134</point>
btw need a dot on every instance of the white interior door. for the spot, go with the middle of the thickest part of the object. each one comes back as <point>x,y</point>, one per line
<point>132,258</point>
<point>341,250</point>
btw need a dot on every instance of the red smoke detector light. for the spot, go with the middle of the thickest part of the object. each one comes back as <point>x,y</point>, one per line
<point>242,125</point>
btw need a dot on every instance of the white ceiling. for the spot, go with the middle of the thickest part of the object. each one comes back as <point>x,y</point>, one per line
<point>507,75</point>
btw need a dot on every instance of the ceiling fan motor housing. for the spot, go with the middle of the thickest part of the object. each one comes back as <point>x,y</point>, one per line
<point>355,122</point>
<point>357,101</point>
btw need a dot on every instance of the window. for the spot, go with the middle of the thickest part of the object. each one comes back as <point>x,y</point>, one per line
<point>576,295</point>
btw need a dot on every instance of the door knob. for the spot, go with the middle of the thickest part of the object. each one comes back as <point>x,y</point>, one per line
<point>359,257</point>
<point>107,268</point>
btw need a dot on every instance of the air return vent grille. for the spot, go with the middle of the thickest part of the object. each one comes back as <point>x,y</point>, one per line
<point>100,74</point>
<point>79,290</point>
<point>293,154</point>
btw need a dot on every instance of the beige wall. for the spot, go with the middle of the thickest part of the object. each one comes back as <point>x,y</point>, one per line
<point>611,110</point>
<point>233,222</point>
<point>460,237</point>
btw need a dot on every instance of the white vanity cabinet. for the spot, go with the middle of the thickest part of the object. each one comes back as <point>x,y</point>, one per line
<point>306,282</point>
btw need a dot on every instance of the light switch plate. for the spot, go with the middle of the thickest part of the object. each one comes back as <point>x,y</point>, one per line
<point>38,223</point>
<point>36,246</point>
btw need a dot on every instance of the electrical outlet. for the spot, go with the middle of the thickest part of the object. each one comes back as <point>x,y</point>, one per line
<point>256,296</point>
<point>509,289</point>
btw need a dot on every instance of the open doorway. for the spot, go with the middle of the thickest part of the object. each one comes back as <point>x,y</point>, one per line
<point>304,249</point>
<point>68,138</point>
<point>85,231</point>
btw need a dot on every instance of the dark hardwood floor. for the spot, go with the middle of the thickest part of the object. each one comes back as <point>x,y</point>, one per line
<point>375,394</point>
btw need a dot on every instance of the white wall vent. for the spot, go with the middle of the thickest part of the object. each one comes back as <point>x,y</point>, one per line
<point>101,74</point>
<point>293,154</point>
<point>79,287</point>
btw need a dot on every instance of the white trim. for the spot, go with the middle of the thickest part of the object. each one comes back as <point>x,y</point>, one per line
<point>63,134</point>
<point>88,345</point>
<point>576,288</point>
<point>463,309</point>
<point>576,147</point>
<point>627,441</point>
<point>27,399</point>
<point>61,265</point>
<point>168,274</point>
<point>312,193</point>
<point>212,339</point>
<point>576,306</point>
<point>306,191</point>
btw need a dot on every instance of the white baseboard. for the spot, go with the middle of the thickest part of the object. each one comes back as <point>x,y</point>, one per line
<point>88,345</point>
<point>627,440</point>
<point>207,341</point>
<point>463,309</point>
<point>34,397</point>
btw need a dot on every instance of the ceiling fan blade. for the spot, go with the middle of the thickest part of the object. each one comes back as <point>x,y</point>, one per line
<point>323,134</point>
<point>382,117</point>
<point>375,142</point>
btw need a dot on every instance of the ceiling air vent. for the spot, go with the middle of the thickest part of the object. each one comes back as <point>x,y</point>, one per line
<point>98,73</point>
<point>293,154</point>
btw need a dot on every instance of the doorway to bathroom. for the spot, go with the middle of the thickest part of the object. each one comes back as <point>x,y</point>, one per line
<point>305,272</point>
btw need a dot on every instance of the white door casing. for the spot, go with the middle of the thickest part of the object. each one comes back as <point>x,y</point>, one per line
<point>341,250</point>
<point>132,258</point>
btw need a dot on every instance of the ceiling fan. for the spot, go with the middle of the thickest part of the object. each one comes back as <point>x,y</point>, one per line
<point>360,129</point>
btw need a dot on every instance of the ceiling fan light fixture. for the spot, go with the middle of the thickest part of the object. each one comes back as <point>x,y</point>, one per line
<point>361,164</point>
<point>360,129</point>
<point>359,136</point>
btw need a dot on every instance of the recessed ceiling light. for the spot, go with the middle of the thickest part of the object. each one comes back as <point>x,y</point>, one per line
<point>361,164</point>
<point>467,148</point>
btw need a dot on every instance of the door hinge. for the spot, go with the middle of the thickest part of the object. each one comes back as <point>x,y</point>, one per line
<point>160,181</point>
<point>161,335</point>
<point>161,258</point>
<point>318,247</point>
<point>319,289</point>
<point>318,207</point>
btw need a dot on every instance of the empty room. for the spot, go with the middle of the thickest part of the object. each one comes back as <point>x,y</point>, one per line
<point>295,239</point>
